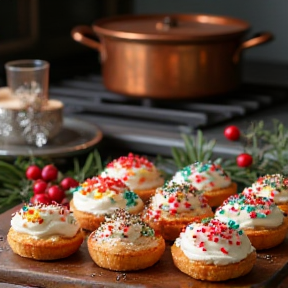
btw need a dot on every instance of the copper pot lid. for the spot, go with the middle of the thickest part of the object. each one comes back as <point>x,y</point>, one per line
<point>179,27</point>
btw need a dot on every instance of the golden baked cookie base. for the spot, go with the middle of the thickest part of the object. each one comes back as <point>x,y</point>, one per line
<point>170,228</point>
<point>217,196</point>
<point>145,195</point>
<point>43,249</point>
<point>117,258</point>
<point>87,221</point>
<point>267,238</point>
<point>283,207</point>
<point>91,222</point>
<point>211,272</point>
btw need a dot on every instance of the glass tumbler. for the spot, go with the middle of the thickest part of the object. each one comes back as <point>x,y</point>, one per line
<point>28,80</point>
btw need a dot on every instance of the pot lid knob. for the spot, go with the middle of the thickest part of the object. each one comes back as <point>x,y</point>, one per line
<point>166,23</point>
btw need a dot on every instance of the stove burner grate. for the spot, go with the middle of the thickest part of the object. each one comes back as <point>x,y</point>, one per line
<point>88,95</point>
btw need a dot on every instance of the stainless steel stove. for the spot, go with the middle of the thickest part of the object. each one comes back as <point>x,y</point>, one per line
<point>154,126</point>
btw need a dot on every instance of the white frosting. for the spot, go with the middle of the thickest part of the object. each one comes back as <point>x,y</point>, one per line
<point>132,233</point>
<point>204,243</point>
<point>249,215</point>
<point>124,227</point>
<point>205,176</point>
<point>136,172</point>
<point>41,221</point>
<point>103,195</point>
<point>271,186</point>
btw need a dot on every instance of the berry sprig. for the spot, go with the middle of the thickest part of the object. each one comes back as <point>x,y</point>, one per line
<point>233,133</point>
<point>264,152</point>
<point>47,187</point>
<point>31,179</point>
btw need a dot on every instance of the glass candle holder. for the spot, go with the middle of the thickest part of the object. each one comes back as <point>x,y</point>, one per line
<point>28,83</point>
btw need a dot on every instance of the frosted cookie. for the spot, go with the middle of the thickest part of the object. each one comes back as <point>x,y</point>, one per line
<point>174,206</point>
<point>44,232</point>
<point>137,172</point>
<point>100,196</point>
<point>213,251</point>
<point>210,178</point>
<point>124,242</point>
<point>273,186</point>
<point>260,218</point>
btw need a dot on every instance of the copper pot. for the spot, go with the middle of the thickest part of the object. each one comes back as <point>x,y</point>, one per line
<point>174,56</point>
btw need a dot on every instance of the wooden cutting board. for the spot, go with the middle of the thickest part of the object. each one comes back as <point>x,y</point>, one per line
<point>79,270</point>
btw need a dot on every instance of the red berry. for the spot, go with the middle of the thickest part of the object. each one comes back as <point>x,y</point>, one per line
<point>232,133</point>
<point>41,198</point>
<point>244,160</point>
<point>39,186</point>
<point>33,172</point>
<point>68,183</point>
<point>56,194</point>
<point>49,173</point>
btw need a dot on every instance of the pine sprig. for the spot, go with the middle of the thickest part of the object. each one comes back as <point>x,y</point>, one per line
<point>92,166</point>
<point>195,149</point>
<point>13,185</point>
<point>272,145</point>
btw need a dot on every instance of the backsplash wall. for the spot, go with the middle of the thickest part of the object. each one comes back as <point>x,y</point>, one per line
<point>263,15</point>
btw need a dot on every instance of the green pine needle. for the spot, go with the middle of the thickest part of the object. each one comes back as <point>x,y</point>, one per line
<point>195,149</point>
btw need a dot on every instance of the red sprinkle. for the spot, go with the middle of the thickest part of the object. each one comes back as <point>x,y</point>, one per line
<point>187,204</point>
<point>173,211</point>
<point>223,250</point>
<point>131,161</point>
<point>171,199</point>
<point>103,184</point>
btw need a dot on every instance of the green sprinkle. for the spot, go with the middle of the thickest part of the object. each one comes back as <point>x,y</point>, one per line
<point>261,215</point>
<point>232,224</point>
<point>147,231</point>
<point>130,197</point>
<point>112,200</point>
<point>250,209</point>
<point>206,220</point>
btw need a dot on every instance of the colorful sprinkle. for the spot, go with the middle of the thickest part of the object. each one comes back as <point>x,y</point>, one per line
<point>120,224</point>
<point>131,161</point>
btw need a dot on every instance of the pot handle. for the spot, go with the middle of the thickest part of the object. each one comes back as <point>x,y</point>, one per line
<point>259,38</point>
<point>82,34</point>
